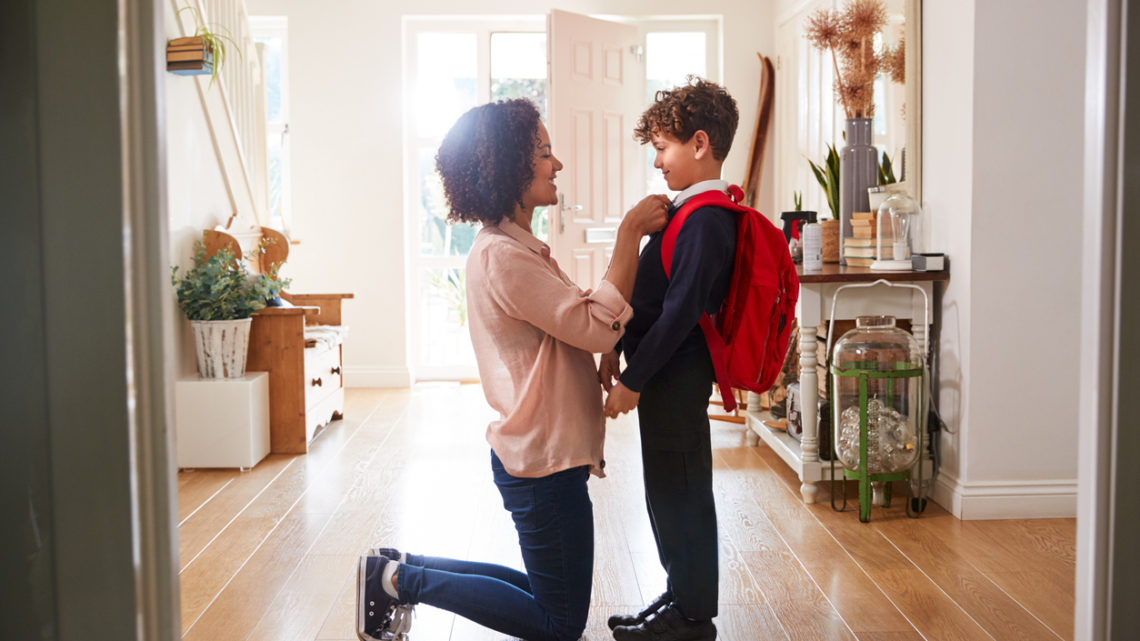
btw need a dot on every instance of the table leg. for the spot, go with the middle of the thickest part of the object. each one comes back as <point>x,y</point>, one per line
<point>809,393</point>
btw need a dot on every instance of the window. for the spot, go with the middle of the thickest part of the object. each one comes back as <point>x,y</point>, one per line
<point>452,66</point>
<point>270,33</point>
<point>673,51</point>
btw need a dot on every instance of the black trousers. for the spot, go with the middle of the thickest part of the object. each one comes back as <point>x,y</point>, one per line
<point>676,455</point>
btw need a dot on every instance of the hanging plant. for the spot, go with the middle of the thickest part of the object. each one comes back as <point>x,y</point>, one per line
<point>203,53</point>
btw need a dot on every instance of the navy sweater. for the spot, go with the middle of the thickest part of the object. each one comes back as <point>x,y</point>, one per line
<point>666,311</point>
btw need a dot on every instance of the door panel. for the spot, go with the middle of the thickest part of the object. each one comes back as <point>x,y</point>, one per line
<point>595,89</point>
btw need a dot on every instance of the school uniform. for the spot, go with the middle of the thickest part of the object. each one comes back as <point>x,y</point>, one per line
<point>668,363</point>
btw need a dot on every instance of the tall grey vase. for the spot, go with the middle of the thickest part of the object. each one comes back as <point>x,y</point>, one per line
<point>858,170</point>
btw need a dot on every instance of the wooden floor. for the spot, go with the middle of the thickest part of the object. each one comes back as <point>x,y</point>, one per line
<point>270,553</point>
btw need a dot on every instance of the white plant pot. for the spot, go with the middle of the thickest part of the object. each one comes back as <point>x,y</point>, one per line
<point>221,347</point>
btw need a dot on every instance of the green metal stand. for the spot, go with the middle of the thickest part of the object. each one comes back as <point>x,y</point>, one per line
<point>865,478</point>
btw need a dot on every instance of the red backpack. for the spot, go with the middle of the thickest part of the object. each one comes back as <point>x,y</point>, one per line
<point>749,337</point>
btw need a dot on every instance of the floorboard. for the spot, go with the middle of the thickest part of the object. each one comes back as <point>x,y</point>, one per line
<point>270,553</point>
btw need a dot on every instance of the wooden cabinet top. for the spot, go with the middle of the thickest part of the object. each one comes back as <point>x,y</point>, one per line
<point>836,273</point>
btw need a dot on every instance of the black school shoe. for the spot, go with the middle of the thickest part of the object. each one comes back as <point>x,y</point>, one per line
<point>379,617</point>
<point>630,620</point>
<point>667,625</point>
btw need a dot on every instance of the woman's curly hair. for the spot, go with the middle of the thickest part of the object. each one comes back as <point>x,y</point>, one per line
<point>682,111</point>
<point>486,160</point>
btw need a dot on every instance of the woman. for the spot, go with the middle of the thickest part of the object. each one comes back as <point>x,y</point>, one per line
<point>534,332</point>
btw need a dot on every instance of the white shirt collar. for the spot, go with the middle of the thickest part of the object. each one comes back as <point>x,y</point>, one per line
<point>703,186</point>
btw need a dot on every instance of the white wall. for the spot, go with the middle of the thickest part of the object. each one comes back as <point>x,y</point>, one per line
<point>947,188</point>
<point>197,198</point>
<point>1004,202</point>
<point>345,84</point>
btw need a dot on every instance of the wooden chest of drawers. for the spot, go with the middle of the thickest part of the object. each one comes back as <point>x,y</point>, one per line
<point>306,386</point>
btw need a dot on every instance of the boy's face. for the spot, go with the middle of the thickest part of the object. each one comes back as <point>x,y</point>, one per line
<point>677,160</point>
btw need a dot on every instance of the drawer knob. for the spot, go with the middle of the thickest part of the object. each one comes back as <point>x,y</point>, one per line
<point>317,382</point>
<point>335,370</point>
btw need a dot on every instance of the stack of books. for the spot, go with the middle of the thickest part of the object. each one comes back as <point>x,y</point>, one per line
<point>189,57</point>
<point>859,248</point>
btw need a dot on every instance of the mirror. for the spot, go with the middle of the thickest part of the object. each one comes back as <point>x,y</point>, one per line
<point>807,115</point>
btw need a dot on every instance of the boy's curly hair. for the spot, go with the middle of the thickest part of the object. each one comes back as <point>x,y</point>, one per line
<point>486,160</point>
<point>682,111</point>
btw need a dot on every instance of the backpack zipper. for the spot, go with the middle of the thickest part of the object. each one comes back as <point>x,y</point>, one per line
<point>767,336</point>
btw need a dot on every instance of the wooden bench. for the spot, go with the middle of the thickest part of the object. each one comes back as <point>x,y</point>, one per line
<point>306,380</point>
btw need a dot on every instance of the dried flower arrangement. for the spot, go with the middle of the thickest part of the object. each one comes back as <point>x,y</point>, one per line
<point>849,34</point>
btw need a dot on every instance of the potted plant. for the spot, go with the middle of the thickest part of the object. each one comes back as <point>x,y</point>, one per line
<point>828,179</point>
<point>200,54</point>
<point>219,295</point>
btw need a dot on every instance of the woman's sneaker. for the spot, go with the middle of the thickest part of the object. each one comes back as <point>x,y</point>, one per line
<point>391,553</point>
<point>379,616</point>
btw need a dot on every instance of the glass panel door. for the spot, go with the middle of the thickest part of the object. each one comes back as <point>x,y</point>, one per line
<point>453,66</point>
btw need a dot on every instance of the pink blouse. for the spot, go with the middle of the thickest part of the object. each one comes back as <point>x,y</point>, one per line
<point>534,332</point>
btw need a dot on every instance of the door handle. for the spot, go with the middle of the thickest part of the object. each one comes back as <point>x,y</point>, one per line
<point>562,207</point>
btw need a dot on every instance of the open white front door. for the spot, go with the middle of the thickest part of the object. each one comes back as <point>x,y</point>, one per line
<point>595,96</point>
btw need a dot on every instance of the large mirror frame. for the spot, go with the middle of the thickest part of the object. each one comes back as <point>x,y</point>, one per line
<point>914,98</point>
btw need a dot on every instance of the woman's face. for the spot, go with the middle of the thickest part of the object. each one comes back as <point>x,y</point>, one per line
<point>541,191</point>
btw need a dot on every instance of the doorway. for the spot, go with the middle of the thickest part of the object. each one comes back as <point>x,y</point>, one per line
<point>451,65</point>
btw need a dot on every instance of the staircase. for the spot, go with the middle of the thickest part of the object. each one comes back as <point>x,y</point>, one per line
<point>234,107</point>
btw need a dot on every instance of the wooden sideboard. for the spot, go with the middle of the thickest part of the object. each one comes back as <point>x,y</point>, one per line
<point>815,307</point>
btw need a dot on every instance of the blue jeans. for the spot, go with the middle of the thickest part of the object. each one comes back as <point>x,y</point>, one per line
<point>555,522</point>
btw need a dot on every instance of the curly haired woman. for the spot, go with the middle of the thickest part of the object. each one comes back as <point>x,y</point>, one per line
<point>534,332</point>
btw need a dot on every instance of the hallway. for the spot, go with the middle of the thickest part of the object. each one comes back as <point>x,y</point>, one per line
<point>270,553</point>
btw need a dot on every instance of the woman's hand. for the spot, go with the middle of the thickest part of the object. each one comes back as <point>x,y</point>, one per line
<point>608,369</point>
<point>647,216</point>
<point>621,399</point>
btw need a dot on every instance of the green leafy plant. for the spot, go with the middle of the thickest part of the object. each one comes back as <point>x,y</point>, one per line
<point>451,286</point>
<point>798,200</point>
<point>886,171</point>
<point>828,179</point>
<point>213,39</point>
<point>221,288</point>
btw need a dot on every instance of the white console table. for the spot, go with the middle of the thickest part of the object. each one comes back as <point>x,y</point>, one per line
<point>813,308</point>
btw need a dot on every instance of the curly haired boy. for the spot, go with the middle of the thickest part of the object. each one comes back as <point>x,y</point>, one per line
<point>669,372</point>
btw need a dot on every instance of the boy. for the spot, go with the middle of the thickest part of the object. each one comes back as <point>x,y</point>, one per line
<point>669,372</point>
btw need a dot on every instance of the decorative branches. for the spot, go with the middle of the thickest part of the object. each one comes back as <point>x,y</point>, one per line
<point>849,34</point>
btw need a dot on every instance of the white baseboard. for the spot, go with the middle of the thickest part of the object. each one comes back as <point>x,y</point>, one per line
<point>1006,500</point>
<point>377,377</point>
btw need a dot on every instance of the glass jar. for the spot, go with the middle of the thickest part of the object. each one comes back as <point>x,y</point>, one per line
<point>877,386</point>
<point>896,215</point>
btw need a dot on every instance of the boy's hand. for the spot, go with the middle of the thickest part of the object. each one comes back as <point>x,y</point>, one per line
<point>621,399</point>
<point>647,216</point>
<point>608,369</point>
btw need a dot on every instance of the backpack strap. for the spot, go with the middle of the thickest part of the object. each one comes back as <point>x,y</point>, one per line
<point>717,348</point>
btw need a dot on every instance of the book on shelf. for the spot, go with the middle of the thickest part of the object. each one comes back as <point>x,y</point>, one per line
<point>859,252</point>
<point>185,56</point>
<point>201,46</point>
<point>860,242</point>
<point>186,66</point>
<point>863,215</point>
<point>928,262</point>
<point>860,262</point>
<point>184,42</point>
